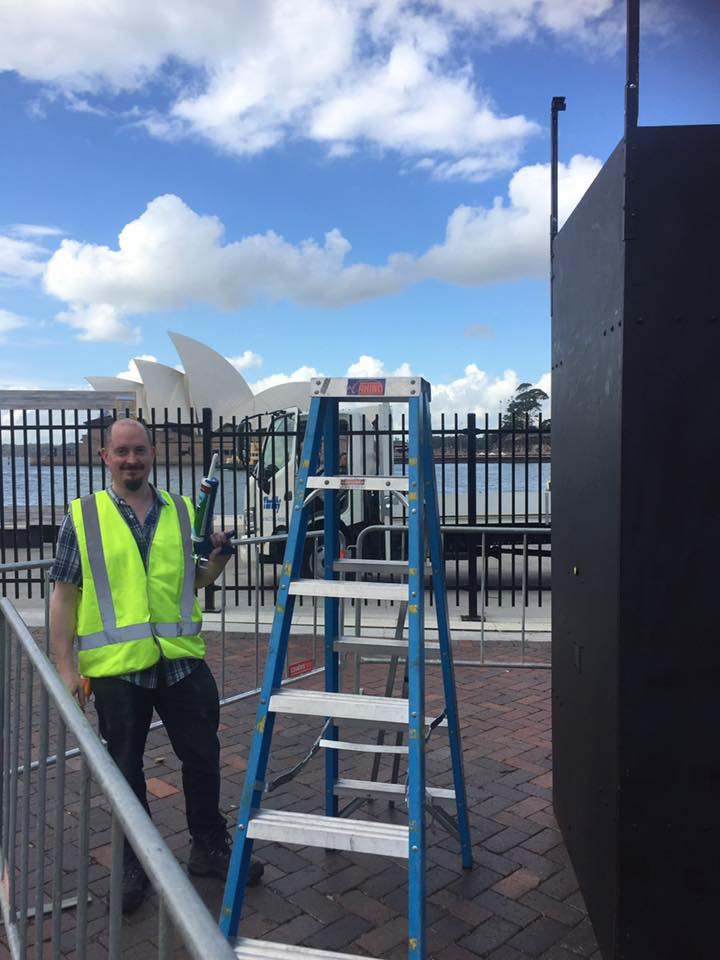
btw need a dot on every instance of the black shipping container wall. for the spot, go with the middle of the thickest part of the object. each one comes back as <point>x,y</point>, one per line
<point>636,545</point>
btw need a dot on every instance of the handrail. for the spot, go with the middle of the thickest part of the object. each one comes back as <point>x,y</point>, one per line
<point>191,918</point>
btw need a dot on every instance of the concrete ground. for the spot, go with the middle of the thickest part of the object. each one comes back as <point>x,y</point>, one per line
<point>519,901</point>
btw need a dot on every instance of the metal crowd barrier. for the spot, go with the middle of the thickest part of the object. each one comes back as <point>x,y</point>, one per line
<point>26,674</point>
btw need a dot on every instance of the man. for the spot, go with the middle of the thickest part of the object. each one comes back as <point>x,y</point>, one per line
<point>125,583</point>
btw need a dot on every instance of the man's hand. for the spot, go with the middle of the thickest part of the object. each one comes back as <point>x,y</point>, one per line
<point>73,681</point>
<point>215,565</point>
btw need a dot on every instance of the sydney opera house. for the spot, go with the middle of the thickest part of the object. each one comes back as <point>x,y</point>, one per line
<point>207,380</point>
<point>174,398</point>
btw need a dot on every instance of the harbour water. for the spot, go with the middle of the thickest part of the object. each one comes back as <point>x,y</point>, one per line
<point>45,485</point>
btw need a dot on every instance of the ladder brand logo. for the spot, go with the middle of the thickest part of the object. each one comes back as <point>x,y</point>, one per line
<point>365,388</point>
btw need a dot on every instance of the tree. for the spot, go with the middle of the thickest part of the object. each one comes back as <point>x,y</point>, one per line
<point>528,401</point>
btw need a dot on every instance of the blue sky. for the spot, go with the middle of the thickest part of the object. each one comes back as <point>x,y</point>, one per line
<point>332,186</point>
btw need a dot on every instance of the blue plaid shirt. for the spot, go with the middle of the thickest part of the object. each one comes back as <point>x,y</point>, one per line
<point>67,568</point>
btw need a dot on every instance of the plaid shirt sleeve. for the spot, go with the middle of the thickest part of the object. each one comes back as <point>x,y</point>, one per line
<point>67,567</point>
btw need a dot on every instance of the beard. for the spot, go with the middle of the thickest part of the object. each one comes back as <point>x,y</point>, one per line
<point>133,484</point>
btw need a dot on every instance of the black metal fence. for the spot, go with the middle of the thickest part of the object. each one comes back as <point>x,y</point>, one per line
<point>490,472</point>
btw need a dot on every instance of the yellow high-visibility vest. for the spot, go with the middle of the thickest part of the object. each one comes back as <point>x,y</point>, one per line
<point>128,617</point>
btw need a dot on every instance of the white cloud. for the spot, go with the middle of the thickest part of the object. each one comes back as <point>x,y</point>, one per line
<point>367,366</point>
<point>34,230</point>
<point>132,372</point>
<point>388,74</point>
<point>171,256</point>
<point>10,321</point>
<point>246,360</point>
<point>20,260</point>
<point>477,392</point>
<point>275,379</point>
<point>99,321</point>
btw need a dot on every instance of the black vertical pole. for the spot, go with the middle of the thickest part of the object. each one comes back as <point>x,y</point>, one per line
<point>632,80</point>
<point>207,445</point>
<point>557,104</point>
<point>472,613</point>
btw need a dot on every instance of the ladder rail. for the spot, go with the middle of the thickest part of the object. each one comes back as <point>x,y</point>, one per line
<point>416,684</point>
<point>331,446</point>
<point>262,735</point>
<point>434,538</point>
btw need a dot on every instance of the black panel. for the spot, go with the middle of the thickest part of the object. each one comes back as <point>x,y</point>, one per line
<point>669,643</point>
<point>636,469</point>
<point>588,301</point>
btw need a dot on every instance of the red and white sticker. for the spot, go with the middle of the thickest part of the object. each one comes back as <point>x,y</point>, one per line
<point>299,668</point>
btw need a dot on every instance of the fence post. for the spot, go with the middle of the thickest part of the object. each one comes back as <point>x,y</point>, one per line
<point>472,613</point>
<point>207,453</point>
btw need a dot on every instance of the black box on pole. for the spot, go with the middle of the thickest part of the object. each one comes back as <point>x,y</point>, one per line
<point>636,544</point>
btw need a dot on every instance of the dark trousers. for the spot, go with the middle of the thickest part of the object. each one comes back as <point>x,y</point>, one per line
<point>190,711</point>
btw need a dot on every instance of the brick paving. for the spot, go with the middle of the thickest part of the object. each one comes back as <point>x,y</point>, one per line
<point>520,901</point>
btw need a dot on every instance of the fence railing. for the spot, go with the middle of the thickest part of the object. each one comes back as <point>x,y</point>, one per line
<point>490,472</point>
<point>38,718</point>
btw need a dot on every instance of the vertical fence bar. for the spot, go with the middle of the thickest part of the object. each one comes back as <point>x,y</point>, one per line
<point>472,613</point>
<point>257,612</point>
<point>14,734</point>
<point>2,500</point>
<point>13,487</point>
<point>166,949</point>
<point>116,872</point>
<point>40,504</point>
<point>40,824</point>
<point>207,450</point>
<point>25,825</point>
<point>524,594</point>
<point>483,588</point>
<point>81,918</point>
<point>26,486</point>
<point>6,764</point>
<point>58,838</point>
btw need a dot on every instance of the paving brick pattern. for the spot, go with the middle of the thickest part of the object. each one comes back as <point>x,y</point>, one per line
<point>520,900</point>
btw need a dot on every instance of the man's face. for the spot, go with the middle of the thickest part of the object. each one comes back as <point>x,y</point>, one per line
<point>128,455</point>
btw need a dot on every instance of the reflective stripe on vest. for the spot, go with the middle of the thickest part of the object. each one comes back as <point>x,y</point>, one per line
<point>111,633</point>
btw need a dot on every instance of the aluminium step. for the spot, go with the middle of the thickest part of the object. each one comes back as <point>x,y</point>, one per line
<point>381,790</point>
<point>348,481</point>
<point>377,646</point>
<point>349,589</point>
<point>398,568</point>
<point>383,712</point>
<point>330,833</point>
<point>247,949</point>
<point>351,746</point>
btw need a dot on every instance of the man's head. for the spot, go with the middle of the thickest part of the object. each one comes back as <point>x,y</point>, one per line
<point>128,454</point>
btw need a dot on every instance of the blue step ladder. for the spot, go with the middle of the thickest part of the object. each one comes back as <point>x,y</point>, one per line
<point>418,492</point>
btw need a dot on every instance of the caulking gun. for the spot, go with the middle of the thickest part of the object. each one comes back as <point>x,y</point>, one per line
<point>204,512</point>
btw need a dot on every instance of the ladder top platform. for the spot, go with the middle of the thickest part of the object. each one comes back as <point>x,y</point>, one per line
<point>370,389</point>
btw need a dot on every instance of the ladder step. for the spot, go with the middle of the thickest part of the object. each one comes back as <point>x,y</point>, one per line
<point>377,646</point>
<point>387,567</point>
<point>380,790</point>
<point>370,389</point>
<point>349,589</point>
<point>332,833</point>
<point>383,712</point>
<point>247,949</point>
<point>349,482</point>
<point>351,747</point>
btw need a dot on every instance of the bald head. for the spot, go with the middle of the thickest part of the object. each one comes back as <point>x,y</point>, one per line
<point>128,455</point>
<point>123,423</point>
